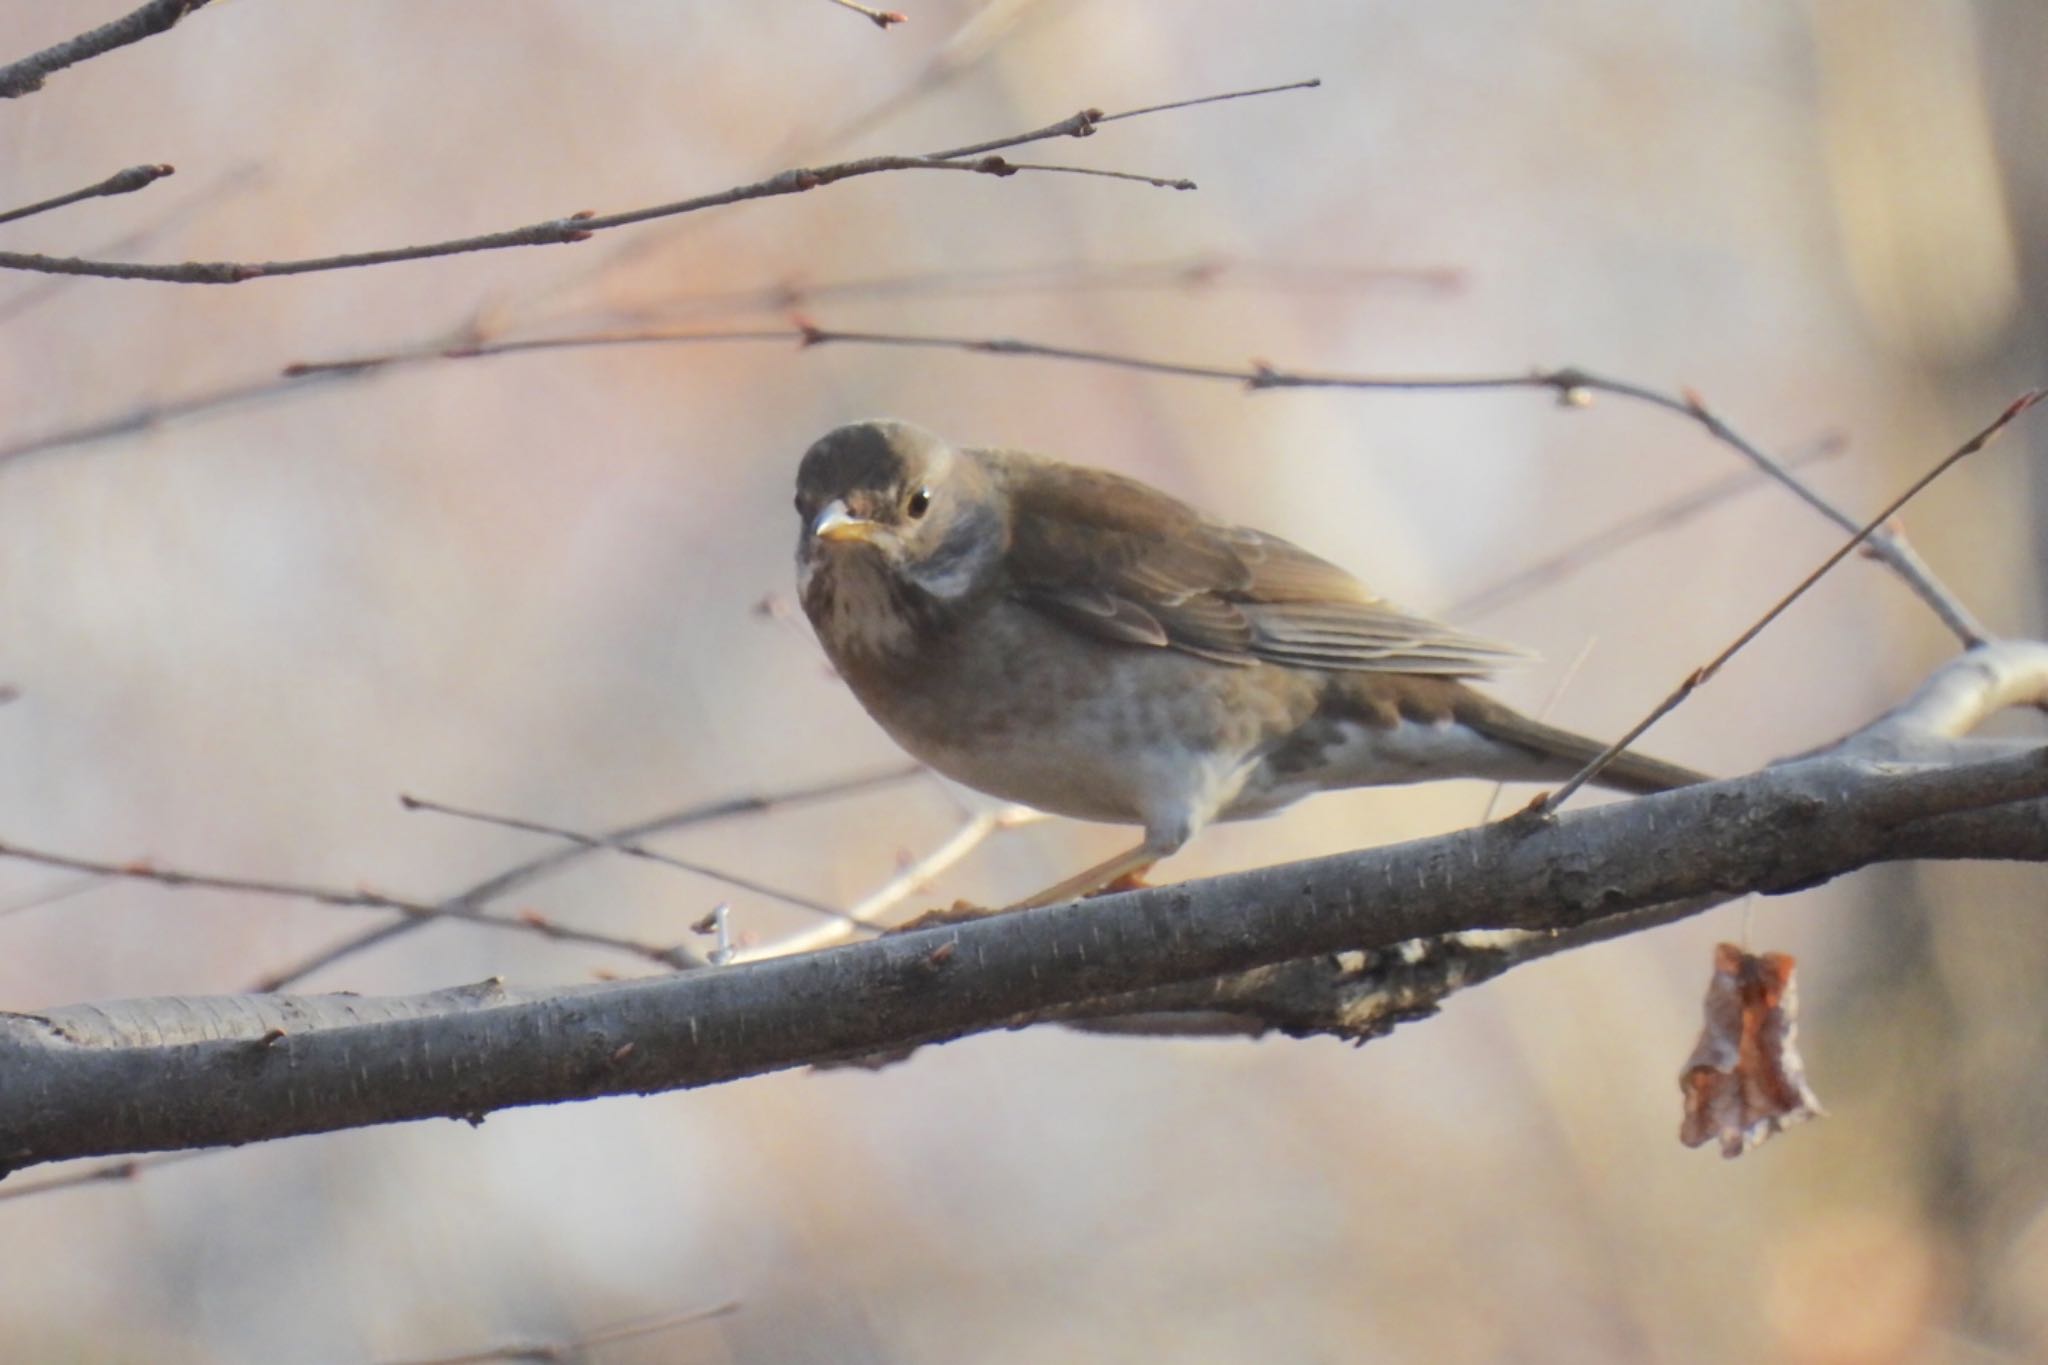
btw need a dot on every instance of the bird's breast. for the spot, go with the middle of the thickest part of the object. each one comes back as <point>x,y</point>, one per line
<point>1017,706</point>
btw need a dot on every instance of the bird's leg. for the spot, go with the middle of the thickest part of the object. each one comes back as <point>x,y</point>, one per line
<point>1132,862</point>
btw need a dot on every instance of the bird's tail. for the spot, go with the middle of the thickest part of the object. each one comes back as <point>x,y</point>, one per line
<point>1628,772</point>
<point>1512,747</point>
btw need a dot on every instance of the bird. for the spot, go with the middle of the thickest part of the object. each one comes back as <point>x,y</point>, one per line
<point>1077,641</point>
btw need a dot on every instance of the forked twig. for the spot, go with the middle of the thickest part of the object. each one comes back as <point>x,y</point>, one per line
<point>519,874</point>
<point>580,226</point>
<point>599,843</point>
<point>1699,676</point>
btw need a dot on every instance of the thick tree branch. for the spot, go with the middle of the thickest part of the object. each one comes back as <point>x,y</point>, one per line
<point>158,16</point>
<point>154,1075</point>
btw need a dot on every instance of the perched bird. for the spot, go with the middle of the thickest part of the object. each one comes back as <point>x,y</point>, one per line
<point>1085,644</point>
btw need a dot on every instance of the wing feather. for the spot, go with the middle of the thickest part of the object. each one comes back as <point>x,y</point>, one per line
<point>1119,560</point>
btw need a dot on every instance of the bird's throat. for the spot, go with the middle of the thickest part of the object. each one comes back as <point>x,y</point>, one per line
<point>866,617</point>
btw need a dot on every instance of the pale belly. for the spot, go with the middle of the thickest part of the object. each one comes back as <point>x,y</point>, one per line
<point>1088,729</point>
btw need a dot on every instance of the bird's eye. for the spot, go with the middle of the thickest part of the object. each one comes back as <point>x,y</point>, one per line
<point>919,504</point>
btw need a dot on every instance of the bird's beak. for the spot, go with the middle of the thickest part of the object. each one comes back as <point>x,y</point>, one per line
<point>836,523</point>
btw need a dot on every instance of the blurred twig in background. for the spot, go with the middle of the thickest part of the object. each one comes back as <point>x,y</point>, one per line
<point>574,1348</point>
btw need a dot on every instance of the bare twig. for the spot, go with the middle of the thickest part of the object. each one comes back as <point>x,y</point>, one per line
<point>120,182</point>
<point>501,883</point>
<point>1699,676</point>
<point>158,16</point>
<point>599,842</point>
<point>577,227</point>
<point>361,899</point>
<point>1570,384</point>
<point>1087,121</point>
<point>881,18</point>
<point>575,1348</point>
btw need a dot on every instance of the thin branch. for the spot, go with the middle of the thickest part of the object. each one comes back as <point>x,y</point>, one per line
<point>158,16</point>
<point>1571,385</point>
<point>881,18</point>
<point>498,884</point>
<point>1699,676</point>
<point>1087,121</point>
<point>581,226</point>
<point>574,1349</point>
<point>577,227</point>
<point>600,843</point>
<point>120,182</point>
<point>1312,83</point>
<point>1192,272</point>
<point>361,899</point>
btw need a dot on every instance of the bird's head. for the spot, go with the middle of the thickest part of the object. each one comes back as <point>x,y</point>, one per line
<point>889,497</point>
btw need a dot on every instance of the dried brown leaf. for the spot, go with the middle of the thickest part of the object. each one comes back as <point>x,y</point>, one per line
<point>1744,1082</point>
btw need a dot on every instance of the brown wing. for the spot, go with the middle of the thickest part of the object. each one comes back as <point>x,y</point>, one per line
<point>1125,562</point>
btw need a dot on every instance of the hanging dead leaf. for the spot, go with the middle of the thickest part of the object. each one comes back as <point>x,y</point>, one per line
<point>1744,1082</point>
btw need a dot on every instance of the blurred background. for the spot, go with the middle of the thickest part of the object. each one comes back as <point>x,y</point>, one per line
<point>556,585</point>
